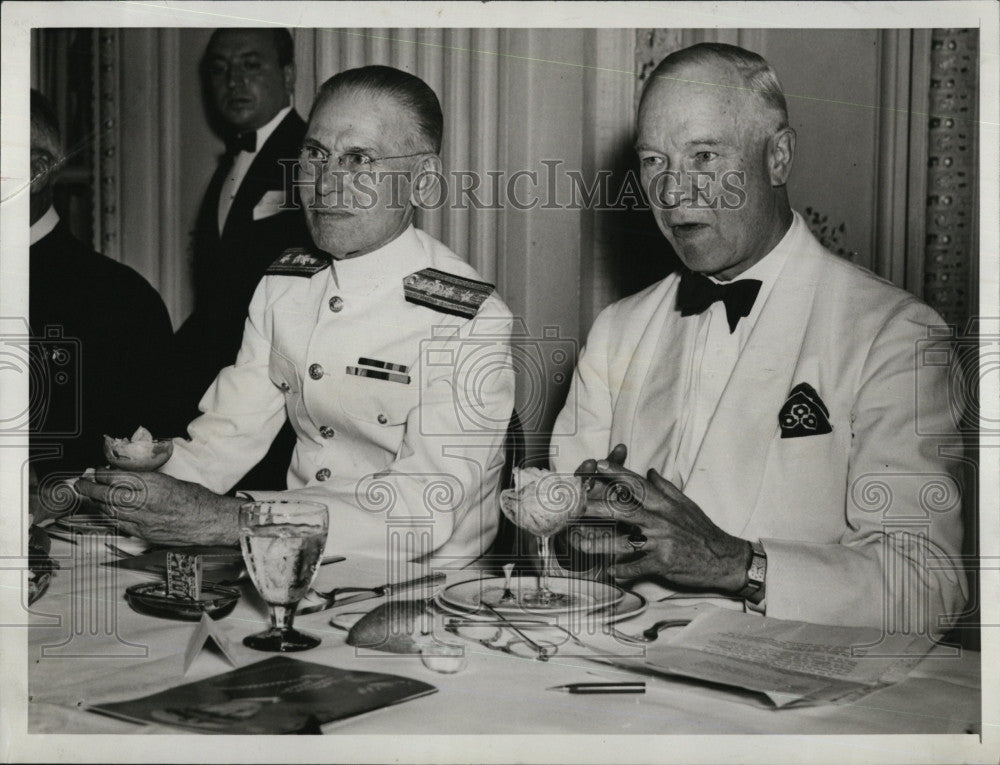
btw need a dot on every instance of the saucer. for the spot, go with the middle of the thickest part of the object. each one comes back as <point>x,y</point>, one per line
<point>577,595</point>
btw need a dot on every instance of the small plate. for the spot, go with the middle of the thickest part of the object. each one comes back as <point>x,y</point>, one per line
<point>584,595</point>
<point>151,598</point>
<point>628,607</point>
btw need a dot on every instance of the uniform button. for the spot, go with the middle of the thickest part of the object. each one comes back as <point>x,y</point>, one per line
<point>284,386</point>
<point>322,474</point>
<point>382,419</point>
<point>336,304</point>
<point>326,431</point>
<point>315,371</point>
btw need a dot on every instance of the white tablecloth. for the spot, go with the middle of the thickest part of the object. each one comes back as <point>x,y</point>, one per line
<point>87,646</point>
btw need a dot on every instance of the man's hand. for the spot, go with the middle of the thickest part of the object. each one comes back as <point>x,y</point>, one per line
<point>682,544</point>
<point>596,492</point>
<point>163,510</point>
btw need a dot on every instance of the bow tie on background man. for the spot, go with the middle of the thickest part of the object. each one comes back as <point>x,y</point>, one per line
<point>241,142</point>
<point>697,292</point>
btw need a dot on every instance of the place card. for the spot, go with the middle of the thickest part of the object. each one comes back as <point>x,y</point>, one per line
<point>183,576</point>
<point>208,630</point>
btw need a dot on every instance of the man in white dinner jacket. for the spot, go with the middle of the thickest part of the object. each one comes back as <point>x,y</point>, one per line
<point>372,343</point>
<point>769,393</point>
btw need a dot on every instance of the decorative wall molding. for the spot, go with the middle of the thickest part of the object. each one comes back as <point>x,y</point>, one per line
<point>952,220</point>
<point>171,244</point>
<point>107,140</point>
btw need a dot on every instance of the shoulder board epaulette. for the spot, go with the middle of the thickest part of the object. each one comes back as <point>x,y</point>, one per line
<point>298,261</point>
<point>446,292</point>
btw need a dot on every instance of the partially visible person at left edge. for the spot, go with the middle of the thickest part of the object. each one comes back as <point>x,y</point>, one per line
<point>245,221</point>
<point>95,320</point>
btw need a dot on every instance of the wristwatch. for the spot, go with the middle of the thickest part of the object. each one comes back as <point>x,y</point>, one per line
<point>756,571</point>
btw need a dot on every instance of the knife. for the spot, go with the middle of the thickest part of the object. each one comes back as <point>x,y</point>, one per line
<point>369,593</point>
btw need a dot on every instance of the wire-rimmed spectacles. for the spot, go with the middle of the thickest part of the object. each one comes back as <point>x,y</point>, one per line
<point>516,638</point>
<point>313,160</point>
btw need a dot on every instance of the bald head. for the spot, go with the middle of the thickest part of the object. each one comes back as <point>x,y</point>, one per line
<point>730,70</point>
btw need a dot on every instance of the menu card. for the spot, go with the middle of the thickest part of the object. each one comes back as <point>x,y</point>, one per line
<point>792,663</point>
<point>277,695</point>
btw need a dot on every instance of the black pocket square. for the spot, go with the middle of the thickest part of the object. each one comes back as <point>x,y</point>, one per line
<point>804,413</point>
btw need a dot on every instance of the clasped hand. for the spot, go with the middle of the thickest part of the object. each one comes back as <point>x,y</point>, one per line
<point>161,509</point>
<point>682,544</point>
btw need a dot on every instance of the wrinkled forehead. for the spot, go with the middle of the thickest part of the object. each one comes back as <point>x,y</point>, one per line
<point>353,112</point>
<point>697,97</point>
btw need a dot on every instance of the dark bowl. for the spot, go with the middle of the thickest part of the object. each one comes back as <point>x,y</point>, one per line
<point>151,598</point>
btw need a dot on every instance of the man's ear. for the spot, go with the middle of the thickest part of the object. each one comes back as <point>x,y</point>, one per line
<point>427,176</point>
<point>781,152</point>
<point>288,73</point>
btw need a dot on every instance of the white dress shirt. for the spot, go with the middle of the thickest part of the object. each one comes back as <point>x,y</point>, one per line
<point>241,164</point>
<point>42,227</point>
<point>709,372</point>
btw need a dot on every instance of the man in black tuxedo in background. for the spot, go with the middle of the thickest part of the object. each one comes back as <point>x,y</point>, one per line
<point>103,358</point>
<point>245,222</point>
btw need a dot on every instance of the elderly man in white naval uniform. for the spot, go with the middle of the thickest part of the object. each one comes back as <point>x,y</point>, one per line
<point>373,344</point>
<point>768,393</point>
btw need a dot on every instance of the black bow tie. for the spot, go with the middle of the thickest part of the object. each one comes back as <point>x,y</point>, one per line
<point>242,142</point>
<point>696,293</point>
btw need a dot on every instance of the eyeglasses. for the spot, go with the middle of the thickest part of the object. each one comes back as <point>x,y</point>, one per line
<point>313,160</point>
<point>516,638</point>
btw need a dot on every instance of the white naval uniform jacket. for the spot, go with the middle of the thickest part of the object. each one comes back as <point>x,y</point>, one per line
<point>861,525</point>
<point>421,449</point>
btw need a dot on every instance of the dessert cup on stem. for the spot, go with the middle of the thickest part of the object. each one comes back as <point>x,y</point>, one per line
<point>543,504</point>
<point>544,596</point>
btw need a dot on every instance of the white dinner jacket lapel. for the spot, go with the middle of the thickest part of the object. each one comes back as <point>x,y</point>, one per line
<point>655,403</point>
<point>726,478</point>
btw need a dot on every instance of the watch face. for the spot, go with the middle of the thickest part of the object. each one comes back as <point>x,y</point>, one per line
<point>757,570</point>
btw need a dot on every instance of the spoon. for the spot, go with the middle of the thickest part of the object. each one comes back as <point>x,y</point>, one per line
<point>508,596</point>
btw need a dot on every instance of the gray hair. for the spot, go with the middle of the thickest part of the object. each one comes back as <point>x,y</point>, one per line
<point>408,90</point>
<point>758,77</point>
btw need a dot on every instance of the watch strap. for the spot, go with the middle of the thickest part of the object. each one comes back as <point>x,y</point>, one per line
<point>756,571</point>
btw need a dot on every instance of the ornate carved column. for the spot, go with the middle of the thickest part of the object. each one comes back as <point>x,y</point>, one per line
<point>952,221</point>
<point>107,159</point>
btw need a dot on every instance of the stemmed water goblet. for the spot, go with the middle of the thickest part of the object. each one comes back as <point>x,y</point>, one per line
<point>282,543</point>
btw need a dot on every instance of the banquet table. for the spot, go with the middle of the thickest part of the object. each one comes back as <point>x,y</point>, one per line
<point>86,646</point>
